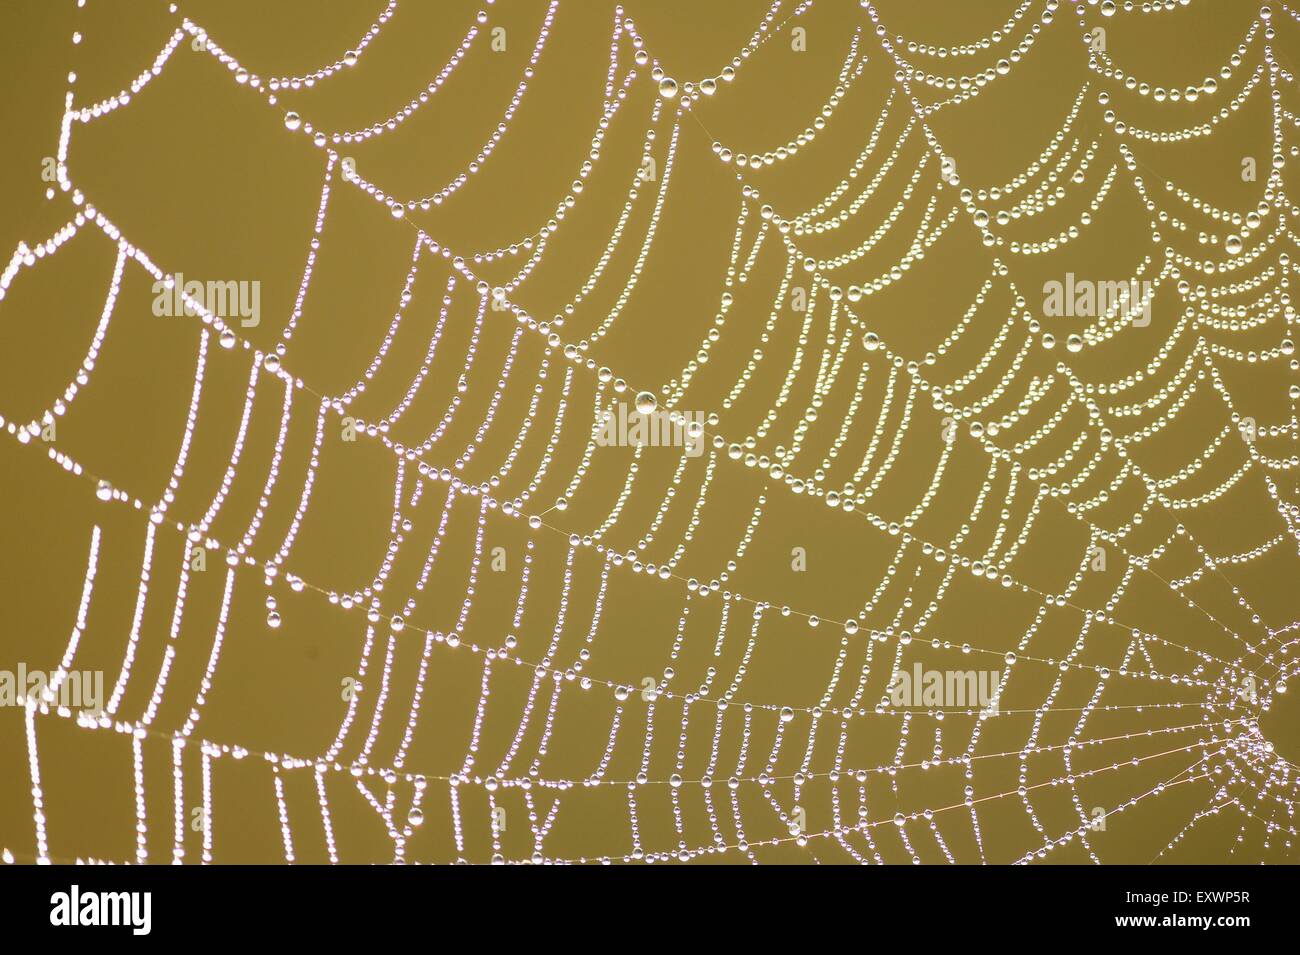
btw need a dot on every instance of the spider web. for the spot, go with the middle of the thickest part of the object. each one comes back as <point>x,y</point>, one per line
<point>568,651</point>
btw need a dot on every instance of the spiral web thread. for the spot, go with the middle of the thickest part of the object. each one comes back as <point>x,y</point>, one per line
<point>697,766</point>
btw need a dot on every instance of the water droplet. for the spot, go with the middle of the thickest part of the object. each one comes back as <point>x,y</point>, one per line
<point>273,620</point>
<point>227,338</point>
<point>1108,8</point>
<point>646,402</point>
<point>668,87</point>
<point>292,121</point>
<point>1233,244</point>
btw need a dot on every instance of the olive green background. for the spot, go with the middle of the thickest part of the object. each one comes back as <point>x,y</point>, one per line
<point>203,176</point>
